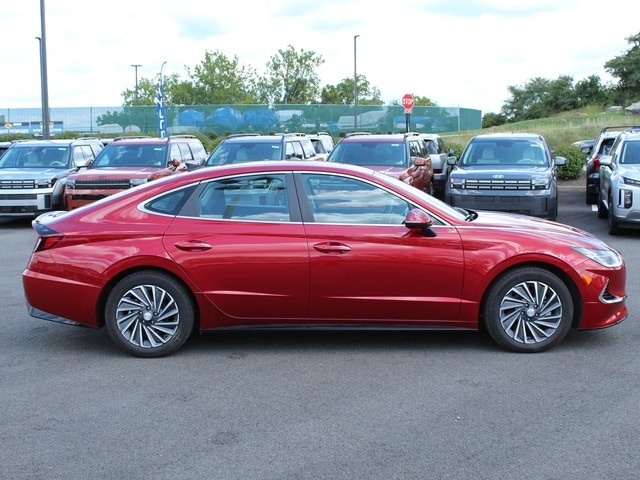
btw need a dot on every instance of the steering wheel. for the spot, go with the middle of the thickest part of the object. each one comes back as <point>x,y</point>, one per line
<point>527,161</point>
<point>56,164</point>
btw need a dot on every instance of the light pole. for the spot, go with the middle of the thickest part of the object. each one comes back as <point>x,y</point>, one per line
<point>355,85</point>
<point>136,68</point>
<point>46,132</point>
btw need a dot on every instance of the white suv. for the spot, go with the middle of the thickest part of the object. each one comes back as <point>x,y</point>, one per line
<point>439,161</point>
<point>619,192</point>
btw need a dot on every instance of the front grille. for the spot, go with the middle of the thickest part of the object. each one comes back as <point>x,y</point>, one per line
<point>25,209</point>
<point>102,184</point>
<point>19,196</point>
<point>17,184</point>
<point>493,184</point>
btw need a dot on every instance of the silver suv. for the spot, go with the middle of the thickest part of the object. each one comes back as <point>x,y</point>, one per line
<point>509,172</point>
<point>619,193</point>
<point>439,161</point>
<point>602,146</point>
<point>251,147</point>
<point>33,173</point>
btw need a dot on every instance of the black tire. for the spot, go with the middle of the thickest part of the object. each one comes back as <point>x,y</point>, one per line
<point>149,314</point>
<point>528,310</point>
<point>602,211</point>
<point>612,223</point>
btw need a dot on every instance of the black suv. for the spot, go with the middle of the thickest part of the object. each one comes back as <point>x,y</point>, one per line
<point>254,147</point>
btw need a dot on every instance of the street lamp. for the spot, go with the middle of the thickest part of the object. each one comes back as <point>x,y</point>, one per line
<point>136,67</point>
<point>355,85</point>
<point>46,132</point>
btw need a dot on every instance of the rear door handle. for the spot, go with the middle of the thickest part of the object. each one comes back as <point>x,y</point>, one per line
<point>193,246</point>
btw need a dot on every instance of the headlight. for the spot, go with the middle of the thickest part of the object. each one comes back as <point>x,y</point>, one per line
<point>540,183</point>
<point>133,182</point>
<point>456,182</point>
<point>604,256</point>
<point>629,181</point>
<point>45,183</point>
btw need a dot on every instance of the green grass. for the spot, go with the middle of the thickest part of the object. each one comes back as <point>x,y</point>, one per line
<point>559,131</point>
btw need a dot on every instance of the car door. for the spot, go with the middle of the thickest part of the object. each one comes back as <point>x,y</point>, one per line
<point>240,240</point>
<point>366,266</point>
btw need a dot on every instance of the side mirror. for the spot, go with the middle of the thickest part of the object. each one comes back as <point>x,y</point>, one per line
<point>605,160</point>
<point>174,163</point>
<point>586,150</point>
<point>418,219</point>
<point>559,161</point>
<point>452,160</point>
<point>419,162</point>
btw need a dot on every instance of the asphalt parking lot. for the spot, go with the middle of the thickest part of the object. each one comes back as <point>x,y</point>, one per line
<point>317,405</point>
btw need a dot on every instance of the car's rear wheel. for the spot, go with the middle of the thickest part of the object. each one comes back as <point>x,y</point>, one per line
<point>528,310</point>
<point>149,314</point>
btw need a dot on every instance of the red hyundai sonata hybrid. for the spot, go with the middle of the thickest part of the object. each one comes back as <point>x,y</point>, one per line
<point>318,245</point>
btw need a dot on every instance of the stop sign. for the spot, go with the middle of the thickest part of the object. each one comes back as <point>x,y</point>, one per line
<point>407,102</point>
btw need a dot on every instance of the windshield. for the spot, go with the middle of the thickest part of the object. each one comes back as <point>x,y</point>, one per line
<point>501,152</point>
<point>238,152</point>
<point>36,157</point>
<point>631,153</point>
<point>370,153</point>
<point>114,155</point>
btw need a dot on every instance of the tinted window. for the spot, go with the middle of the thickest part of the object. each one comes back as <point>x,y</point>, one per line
<point>256,198</point>
<point>169,203</point>
<point>345,200</point>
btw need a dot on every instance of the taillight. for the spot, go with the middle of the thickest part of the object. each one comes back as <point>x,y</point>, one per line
<point>47,243</point>
<point>596,163</point>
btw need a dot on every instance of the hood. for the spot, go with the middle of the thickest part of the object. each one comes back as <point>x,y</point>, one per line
<point>387,170</point>
<point>532,226</point>
<point>32,173</point>
<point>117,172</point>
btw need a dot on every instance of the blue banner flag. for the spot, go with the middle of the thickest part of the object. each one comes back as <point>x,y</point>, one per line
<point>162,112</point>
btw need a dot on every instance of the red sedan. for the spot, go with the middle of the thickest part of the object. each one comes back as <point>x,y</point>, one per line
<point>319,245</point>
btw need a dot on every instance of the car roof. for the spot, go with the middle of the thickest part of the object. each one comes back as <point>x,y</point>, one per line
<point>54,142</point>
<point>511,135</point>
<point>377,137</point>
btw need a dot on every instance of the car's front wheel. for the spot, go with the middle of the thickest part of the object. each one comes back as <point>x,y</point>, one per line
<point>149,314</point>
<point>528,310</point>
<point>612,223</point>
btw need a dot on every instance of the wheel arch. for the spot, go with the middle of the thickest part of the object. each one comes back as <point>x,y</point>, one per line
<point>561,274</point>
<point>108,287</point>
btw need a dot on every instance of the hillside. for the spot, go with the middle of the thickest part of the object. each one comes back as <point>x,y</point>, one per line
<point>560,131</point>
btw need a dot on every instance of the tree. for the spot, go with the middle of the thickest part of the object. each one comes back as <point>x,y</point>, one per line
<point>291,77</point>
<point>590,91</point>
<point>539,98</point>
<point>220,80</point>
<point>342,93</point>
<point>626,68</point>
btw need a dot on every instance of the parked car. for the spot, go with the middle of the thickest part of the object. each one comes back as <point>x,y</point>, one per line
<point>322,144</point>
<point>244,147</point>
<point>130,161</point>
<point>439,156</point>
<point>403,156</point>
<point>619,192</point>
<point>4,146</point>
<point>601,147</point>
<point>33,172</point>
<point>509,172</point>
<point>314,245</point>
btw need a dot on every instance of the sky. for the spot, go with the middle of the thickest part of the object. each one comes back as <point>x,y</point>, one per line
<point>458,53</point>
